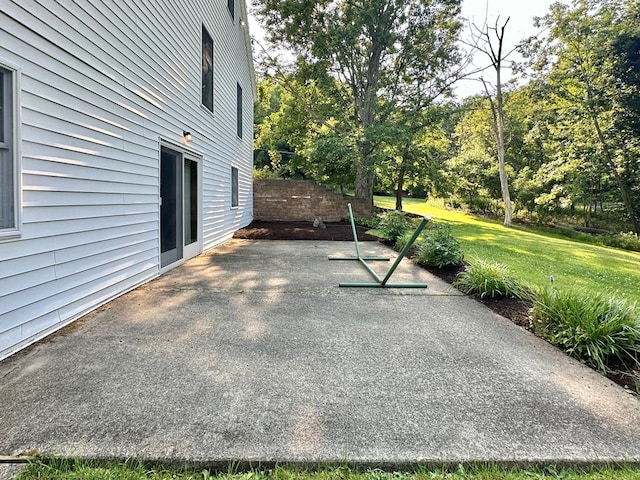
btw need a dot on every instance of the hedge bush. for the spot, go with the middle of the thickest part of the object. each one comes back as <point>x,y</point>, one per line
<point>439,248</point>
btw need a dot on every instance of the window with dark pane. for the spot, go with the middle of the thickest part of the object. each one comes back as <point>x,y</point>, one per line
<point>239,110</point>
<point>231,5</point>
<point>207,70</point>
<point>2,111</point>
<point>234,187</point>
<point>7,169</point>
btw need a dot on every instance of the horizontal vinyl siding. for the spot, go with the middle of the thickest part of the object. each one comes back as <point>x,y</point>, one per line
<point>102,82</point>
<point>229,70</point>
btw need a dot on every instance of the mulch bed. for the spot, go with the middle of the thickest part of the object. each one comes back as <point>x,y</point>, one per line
<point>334,231</point>
<point>515,310</point>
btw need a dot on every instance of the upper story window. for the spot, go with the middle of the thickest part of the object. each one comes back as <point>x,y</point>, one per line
<point>8,160</point>
<point>239,110</point>
<point>207,70</point>
<point>231,5</point>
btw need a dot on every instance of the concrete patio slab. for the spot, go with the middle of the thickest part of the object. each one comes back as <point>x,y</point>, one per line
<point>253,353</point>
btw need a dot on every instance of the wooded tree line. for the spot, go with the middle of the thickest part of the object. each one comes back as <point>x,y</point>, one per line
<point>367,106</point>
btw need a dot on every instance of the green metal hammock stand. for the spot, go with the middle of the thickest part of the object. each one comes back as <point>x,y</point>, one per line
<point>382,282</point>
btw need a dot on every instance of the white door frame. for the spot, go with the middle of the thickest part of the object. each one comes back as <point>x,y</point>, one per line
<point>193,249</point>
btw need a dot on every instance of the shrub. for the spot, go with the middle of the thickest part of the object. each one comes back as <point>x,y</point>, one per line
<point>369,222</point>
<point>264,173</point>
<point>394,224</point>
<point>490,280</point>
<point>439,248</point>
<point>625,241</point>
<point>593,327</point>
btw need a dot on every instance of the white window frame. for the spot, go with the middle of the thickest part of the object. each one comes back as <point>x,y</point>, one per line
<point>13,145</point>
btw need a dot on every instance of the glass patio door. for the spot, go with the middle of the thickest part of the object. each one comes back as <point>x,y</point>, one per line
<point>179,207</point>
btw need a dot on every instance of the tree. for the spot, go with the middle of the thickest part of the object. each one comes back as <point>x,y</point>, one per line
<point>387,54</point>
<point>578,62</point>
<point>414,157</point>
<point>299,141</point>
<point>490,41</point>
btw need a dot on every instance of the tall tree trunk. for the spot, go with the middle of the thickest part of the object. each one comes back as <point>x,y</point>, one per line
<point>498,129</point>
<point>497,109</point>
<point>504,178</point>
<point>364,180</point>
<point>365,116</point>
<point>399,187</point>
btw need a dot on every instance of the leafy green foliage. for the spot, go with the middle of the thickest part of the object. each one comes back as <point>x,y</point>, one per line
<point>592,326</point>
<point>626,241</point>
<point>369,222</point>
<point>488,279</point>
<point>264,173</point>
<point>391,57</point>
<point>584,63</point>
<point>394,224</point>
<point>439,248</point>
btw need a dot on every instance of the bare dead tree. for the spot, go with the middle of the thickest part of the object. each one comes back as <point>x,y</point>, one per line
<point>490,41</point>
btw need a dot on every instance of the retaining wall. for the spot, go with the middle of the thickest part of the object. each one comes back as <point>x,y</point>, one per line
<point>301,200</point>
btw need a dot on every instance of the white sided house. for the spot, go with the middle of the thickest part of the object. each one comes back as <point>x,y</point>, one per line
<point>126,132</point>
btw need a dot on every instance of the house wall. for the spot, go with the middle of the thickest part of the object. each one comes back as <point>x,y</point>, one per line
<point>302,200</point>
<point>102,82</point>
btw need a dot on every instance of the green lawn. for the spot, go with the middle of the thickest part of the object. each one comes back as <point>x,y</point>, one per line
<point>535,256</point>
<point>84,470</point>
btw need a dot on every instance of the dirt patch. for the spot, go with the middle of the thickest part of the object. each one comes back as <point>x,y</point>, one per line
<point>334,231</point>
<point>514,309</point>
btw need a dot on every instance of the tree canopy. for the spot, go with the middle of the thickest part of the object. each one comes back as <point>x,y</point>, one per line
<point>390,58</point>
<point>365,105</point>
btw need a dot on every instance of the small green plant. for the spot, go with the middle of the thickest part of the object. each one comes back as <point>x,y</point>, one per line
<point>402,240</point>
<point>591,326</point>
<point>488,279</point>
<point>439,248</point>
<point>394,224</point>
<point>369,222</point>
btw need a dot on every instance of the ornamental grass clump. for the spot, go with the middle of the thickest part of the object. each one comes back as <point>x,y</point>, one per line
<point>594,327</point>
<point>487,279</point>
<point>439,248</point>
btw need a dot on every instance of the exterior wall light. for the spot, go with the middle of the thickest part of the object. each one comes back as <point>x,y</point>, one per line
<point>187,136</point>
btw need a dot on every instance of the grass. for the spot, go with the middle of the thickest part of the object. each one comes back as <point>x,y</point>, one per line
<point>535,256</point>
<point>86,470</point>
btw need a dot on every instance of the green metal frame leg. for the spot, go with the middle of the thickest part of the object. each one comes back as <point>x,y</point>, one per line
<point>382,282</point>
<point>355,240</point>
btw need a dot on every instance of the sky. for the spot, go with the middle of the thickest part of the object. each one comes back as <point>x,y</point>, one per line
<point>520,26</point>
